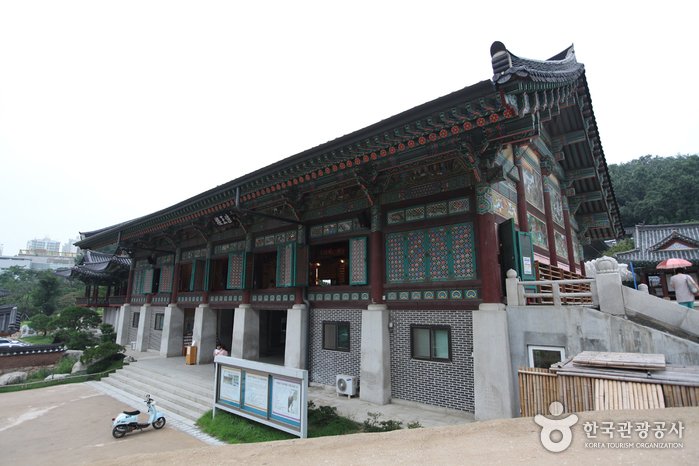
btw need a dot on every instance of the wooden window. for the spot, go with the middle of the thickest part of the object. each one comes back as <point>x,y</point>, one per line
<point>431,342</point>
<point>336,336</point>
<point>159,320</point>
<point>545,356</point>
<point>292,265</point>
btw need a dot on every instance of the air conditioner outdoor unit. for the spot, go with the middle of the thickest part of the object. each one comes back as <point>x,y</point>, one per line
<point>346,385</point>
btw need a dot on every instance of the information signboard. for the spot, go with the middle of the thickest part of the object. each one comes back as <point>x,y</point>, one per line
<point>273,395</point>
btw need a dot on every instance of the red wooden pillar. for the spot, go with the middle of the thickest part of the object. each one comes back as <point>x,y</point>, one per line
<point>129,288</point>
<point>376,265</point>
<point>663,283</point>
<point>299,295</point>
<point>549,219</point>
<point>175,280</point>
<point>522,218</point>
<point>246,297</point>
<point>488,244</point>
<point>569,235</point>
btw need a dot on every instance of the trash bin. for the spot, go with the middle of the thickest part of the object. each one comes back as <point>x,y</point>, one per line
<point>133,346</point>
<point>191,355</point>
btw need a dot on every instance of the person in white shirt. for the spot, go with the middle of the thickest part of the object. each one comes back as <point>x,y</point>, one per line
<point>679,283</point>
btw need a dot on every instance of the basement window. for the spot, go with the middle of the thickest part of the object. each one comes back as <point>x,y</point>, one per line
<point>544,357</point>
<point>431,342</point>
<point>336,336</point>
<point>136,317</point>
<point>159,319</point>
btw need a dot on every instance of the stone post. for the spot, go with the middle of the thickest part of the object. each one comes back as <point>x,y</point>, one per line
<point>375,372</point>
<point>611,299</point>
<point>122,324</point>
<point>246,333</point>
<point>296,350</point>
<point>173,330</point>
<point>143,328</point>
<point>512,289</point>
<point>204,333</point>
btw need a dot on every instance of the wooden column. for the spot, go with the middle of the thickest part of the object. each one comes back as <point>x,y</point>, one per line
<point>487,245</point>
<point>549,218</point>
<point>129,288</point>
<point>376,254</point>
<point>207,270</point>
<point>569,234</point>
<point>299,295</point>
<point>663,283</point>
<point>522,219</point>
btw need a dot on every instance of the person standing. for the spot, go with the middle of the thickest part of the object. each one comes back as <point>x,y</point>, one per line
<point>680,283</point>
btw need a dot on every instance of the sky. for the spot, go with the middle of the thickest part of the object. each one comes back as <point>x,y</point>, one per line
<point>114,110</point>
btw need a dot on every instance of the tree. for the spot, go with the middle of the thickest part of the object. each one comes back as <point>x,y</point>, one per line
<point>42,323</point>
<point>77,318</point>
<point>657,190</point>
<point>47,292</point>
<point>621,246</point>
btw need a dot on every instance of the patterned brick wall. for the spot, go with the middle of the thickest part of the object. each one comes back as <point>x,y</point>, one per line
<point>449,384</point>
<point>154,336</point>
<point>326,364</point>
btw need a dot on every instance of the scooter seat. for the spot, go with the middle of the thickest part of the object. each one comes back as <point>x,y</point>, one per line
<point>132,413</point>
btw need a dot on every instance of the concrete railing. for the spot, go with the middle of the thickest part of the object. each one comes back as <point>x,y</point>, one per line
<point>516,295</point>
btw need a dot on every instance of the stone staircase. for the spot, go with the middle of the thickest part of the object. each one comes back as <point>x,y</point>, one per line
<point>186,395</point>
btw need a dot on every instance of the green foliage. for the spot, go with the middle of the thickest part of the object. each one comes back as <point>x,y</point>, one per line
<point>77,318</point>
<point>73,339</point>
<point>64,366</point>
<point>414,425</point>
<point>323,421</point>
<point>105,350</point>
<point>621,246</point>
<point>42,323</point>
<point>108,333</point>
<point>235,429</point>
<point>372,424</point>
<point>38,291</point>
<point>657,190</point>
<point>39,339</point>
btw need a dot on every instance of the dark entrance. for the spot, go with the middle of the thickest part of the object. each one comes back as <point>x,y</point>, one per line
<point>272,333</point>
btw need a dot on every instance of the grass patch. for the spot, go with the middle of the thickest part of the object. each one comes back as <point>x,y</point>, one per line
<point>323,421</point>
<point>38,340</point>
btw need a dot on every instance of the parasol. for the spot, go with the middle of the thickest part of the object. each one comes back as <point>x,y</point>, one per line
<point>674,263</point>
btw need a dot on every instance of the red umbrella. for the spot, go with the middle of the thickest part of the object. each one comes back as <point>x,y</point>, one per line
<point>674,263</point>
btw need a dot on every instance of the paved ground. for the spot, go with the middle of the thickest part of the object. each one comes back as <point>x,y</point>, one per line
<point>70,424</point>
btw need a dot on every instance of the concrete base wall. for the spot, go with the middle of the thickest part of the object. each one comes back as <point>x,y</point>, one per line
<point>579,329</point>
<point>122,325</point>
<point>143,334</point>
<point>493,382</point>
<point>660,310</point>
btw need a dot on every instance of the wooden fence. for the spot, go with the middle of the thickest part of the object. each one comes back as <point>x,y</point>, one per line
<point>538,388</point>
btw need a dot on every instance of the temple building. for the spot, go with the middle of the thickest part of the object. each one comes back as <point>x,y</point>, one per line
<point>382,254</point>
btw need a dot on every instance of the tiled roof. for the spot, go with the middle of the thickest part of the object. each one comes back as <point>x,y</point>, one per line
<point>650,241</point>
<point>561,68</point>
<point>4,293</point>
<point>96,264</point>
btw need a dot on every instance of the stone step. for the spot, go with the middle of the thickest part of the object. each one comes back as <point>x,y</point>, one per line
<point>201,388</point>
<point>187,404</point>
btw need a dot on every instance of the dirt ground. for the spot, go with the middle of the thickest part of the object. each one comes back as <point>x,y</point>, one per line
<point>70,425</point>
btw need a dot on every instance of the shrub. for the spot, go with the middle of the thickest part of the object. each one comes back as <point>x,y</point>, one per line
<point>64,366</point>
<point>80,340</point>
<point>372,424</point>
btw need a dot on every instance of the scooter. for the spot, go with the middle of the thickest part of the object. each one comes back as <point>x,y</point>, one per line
<point>127,421</point>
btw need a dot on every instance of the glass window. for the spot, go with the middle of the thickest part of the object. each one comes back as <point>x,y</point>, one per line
<point>136,317</point>
<point>545,356</point>
<point>159,319</point>
<point>336,336</point>
<point>431,343</point>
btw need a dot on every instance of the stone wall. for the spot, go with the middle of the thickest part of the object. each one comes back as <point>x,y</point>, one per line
<point>444,384</point>
<point>28,363</point>
<point>154,336</point>
<point>325,365</point>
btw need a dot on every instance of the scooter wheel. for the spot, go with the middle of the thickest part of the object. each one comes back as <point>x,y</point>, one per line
<point>119,431</point>
<point>159,424</point>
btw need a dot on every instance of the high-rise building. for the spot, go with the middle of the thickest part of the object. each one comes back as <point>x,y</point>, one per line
<point>69,246</point>
<point>45,244</point>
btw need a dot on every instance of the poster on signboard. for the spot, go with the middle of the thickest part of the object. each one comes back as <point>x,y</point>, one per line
<point>286,399</point>
<point>256,391</point>
<point>230,385</point>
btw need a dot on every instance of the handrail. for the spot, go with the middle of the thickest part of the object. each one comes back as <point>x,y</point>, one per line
<point>517,296</point>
